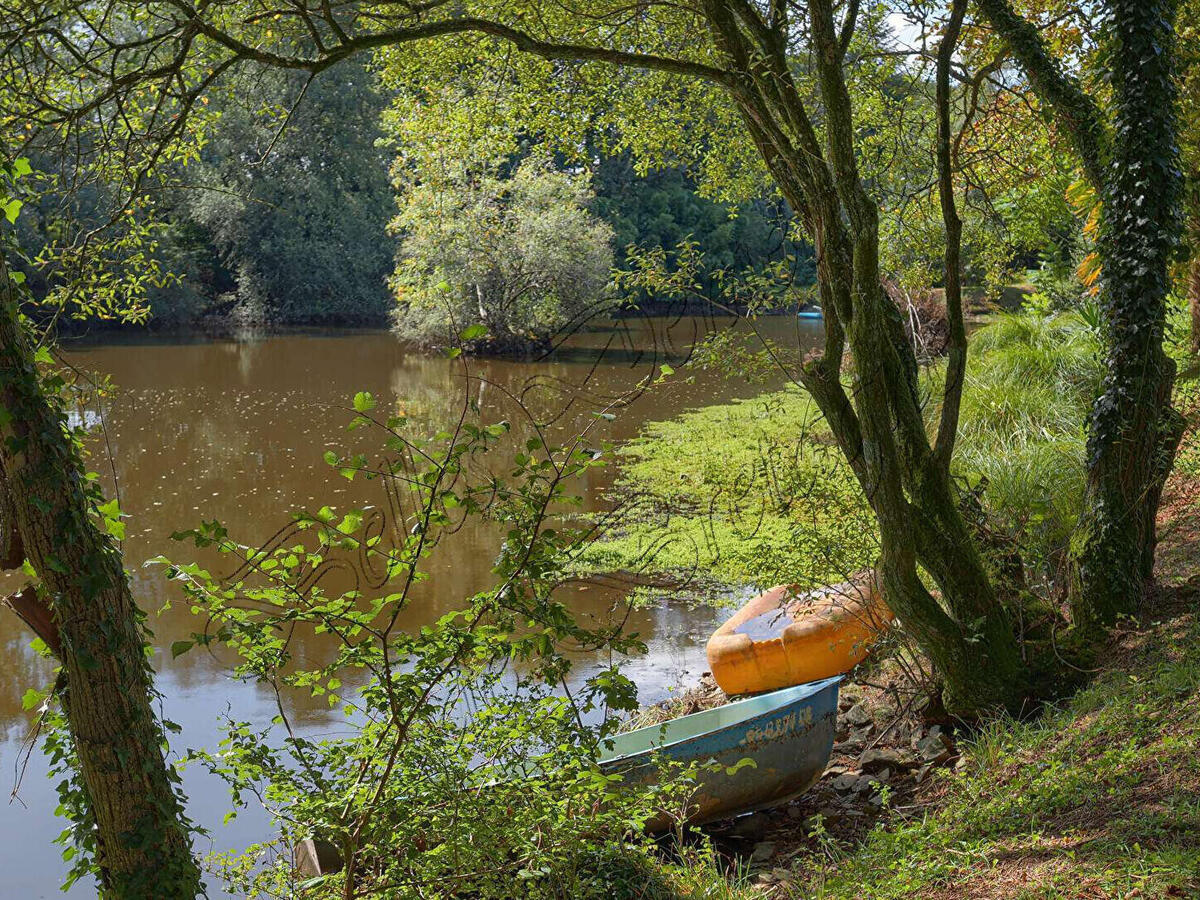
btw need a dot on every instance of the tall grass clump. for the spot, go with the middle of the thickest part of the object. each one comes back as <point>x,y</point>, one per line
<point>1030,384</point>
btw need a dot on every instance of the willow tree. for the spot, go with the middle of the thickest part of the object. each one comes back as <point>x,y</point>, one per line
<point>741,87</point>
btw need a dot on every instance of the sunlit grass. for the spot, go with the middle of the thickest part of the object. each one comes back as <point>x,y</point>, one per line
<point>747,493</point>
<point>1031,380</point>
<point>1099,797</point>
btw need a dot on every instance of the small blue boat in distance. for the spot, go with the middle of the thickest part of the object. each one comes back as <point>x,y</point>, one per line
<point>787,733</point>
<point>813,312</point>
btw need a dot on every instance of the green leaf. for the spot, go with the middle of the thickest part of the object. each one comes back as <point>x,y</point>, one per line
<point>178,648</point>
<point>32,698</point>
<point>363,401</point>
<point>474,332</point>
<point>12,209</point>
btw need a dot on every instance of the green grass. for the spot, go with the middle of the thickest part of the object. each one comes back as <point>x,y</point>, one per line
<point>755,492</point>
<point>1097,798</point>
<point>1030,384</point>
<point>751,492</point>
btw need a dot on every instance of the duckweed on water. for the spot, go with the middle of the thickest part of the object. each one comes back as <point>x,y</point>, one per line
<point>748,493</point>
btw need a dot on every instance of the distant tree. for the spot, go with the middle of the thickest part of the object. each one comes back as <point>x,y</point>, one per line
<point>298,211</point>
<point>663,207</point>
<point>516,259</point>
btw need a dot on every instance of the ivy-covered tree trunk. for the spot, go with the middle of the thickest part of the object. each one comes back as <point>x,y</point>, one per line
<point>1133,162</point>
<point>1134,430</point>
<point>144,848</point>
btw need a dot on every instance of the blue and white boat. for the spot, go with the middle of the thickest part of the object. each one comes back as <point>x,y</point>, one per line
<point>788,734</point>
<point>813,312</point>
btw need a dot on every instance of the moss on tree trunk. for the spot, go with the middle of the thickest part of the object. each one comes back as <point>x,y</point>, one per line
<point>144,847</point>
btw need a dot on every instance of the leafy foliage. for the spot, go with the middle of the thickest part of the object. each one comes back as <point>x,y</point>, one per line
<point>293,198</point>
<point>514,259</point>
<point>469,767</point>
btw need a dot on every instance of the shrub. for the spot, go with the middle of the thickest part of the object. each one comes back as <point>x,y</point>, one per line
<point>465,767</point>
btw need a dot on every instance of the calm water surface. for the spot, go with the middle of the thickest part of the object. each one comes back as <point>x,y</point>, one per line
<point>236,431</point>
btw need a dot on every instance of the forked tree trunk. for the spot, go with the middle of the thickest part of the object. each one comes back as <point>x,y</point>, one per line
<point>144,846</point>
<point>882,430</point>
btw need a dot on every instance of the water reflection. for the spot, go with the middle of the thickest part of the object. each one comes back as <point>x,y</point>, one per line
<point>236,432</point>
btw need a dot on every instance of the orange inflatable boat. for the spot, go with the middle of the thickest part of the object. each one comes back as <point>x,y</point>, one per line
<point>786,636</point>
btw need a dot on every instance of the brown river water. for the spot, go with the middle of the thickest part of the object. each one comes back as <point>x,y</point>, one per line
<point>236,431</point>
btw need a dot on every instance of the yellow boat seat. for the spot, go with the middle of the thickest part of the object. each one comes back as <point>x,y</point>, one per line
<point>787,636</point>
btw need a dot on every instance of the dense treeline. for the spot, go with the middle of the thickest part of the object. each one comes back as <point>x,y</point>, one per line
<point>285,217</point>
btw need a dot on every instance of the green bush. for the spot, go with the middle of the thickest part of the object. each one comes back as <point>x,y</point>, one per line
<point>464,767</point>
<point>516,259</point>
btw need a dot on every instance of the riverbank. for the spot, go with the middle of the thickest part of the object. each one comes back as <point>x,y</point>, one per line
<point>1097,796</point>
<point>1094,797</point>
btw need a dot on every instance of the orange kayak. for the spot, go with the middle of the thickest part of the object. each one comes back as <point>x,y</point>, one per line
<point>787,636</point>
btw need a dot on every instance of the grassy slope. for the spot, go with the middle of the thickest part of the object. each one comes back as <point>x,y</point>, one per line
<point>1099,798</point>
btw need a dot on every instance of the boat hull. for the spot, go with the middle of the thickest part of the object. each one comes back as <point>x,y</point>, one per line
<point>788,734</point>
<point>784,637</point>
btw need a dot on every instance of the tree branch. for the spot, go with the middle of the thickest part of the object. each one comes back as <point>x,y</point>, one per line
<point>469,25</point>
<point>957,345</point>
<point>1072,108</point>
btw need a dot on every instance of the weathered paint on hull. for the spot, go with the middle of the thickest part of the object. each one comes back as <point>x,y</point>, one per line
<point>787,733</point>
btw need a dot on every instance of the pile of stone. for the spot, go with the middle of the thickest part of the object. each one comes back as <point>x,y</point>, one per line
<point>881,757</point>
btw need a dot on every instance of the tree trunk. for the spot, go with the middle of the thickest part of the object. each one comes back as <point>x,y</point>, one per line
<point>881,432</point>
<point>143,844</point>
<point>1134,428</point>
<point>1193,272</point>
